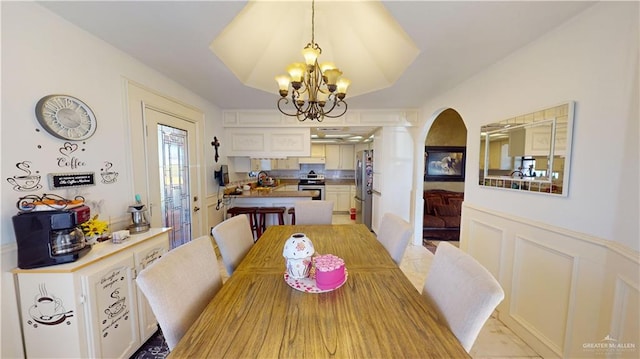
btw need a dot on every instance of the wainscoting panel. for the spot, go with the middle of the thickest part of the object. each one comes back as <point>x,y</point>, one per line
<point>486,246</point>
<point>624,324</point>
<point>565,292</point>
<point>541,290</point>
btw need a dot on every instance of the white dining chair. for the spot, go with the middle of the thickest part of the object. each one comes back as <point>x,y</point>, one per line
<point>313,212</point>
<point>464,292</point>
<point>234,238</point>
<point>394,234</point>
<point>179,285</point>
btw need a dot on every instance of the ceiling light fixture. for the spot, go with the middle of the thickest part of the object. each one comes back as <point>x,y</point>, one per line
<point>317,89</point>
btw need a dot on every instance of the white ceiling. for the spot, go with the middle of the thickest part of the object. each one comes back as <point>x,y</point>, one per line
<point>457,39</point>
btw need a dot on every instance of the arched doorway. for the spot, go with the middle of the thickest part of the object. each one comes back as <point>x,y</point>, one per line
<point>445,128</point>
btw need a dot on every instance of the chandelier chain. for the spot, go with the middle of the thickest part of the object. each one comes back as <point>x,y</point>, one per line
<point>313,22</point>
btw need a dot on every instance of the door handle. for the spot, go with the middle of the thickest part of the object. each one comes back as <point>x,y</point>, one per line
<point>196,209</point>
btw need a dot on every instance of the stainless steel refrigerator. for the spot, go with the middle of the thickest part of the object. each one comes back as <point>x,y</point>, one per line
<point>364,186</point>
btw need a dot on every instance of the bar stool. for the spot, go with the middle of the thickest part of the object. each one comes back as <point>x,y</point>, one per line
<point>292,212</point>
<point>251,212</point>
<point>264,211</point>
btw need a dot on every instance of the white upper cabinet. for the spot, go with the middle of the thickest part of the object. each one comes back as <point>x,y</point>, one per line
<point>270,134</point>
<point>290,163</point>
<point>268,142</point>
<point>340,157</point>
<point>317,155</point>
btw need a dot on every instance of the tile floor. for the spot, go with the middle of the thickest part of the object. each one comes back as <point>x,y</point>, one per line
<point>495,340</point>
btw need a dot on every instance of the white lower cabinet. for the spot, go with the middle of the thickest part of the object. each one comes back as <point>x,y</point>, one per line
<point>90,308</point>
<point>111,310</point>
<point>352,197</point>
<point>332,196</point>
<point>341,197</point>
<point>288,187</point>
<point>145,254</point>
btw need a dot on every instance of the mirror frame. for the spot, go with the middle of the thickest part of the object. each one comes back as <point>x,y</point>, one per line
<point>543,185</point>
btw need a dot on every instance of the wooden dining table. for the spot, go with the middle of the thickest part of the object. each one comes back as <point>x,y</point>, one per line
<point>376,313</point>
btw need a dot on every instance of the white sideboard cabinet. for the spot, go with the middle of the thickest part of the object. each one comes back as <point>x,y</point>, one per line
<point>90,308</point>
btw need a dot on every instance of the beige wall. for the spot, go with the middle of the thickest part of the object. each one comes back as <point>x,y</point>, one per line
<point>447,130</point>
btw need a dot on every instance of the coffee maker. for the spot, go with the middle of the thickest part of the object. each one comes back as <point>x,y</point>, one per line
<point>52,237</point>
<point>139,220</point>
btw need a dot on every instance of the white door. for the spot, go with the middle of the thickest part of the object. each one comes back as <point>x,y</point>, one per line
<point>170,148</point>
<point>166,151</point>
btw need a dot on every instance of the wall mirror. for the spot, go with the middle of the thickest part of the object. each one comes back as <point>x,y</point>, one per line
<point>530,152</point>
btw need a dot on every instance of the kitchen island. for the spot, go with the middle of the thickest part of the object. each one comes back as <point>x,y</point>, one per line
<point>267,198</point>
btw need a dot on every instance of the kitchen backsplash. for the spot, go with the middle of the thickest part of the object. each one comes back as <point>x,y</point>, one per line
<point>317,168</point>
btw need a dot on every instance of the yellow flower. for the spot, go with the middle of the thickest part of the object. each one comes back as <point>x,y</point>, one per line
<point>94,227</point>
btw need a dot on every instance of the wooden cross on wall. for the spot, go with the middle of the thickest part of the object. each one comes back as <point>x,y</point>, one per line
<point>216,144</point>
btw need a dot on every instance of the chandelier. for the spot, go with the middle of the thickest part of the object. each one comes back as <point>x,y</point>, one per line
<point>317,89</point>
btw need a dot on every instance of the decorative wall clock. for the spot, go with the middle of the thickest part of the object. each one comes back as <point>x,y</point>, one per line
<point>66,117</point>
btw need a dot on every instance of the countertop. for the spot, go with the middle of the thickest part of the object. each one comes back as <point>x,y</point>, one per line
<point>336,182</point>
<point>272,191</point>
<point>98,252</point>
<point>327,181</point>
<point>271,194</point>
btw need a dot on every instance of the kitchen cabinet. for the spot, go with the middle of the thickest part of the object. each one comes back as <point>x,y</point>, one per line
<point>109,294</point>
<point>259,142</point>
<point>352,195</point>
<point>517,139</point>
<point>144,254</point>
<point>279,198</point>
<point>241,164</point>
<point>290,163</point>
<point>90,308</point>
<point>500,154</point>
<point>289,187</point>
<point>538,140</point>
<point>535,140</point>
<point>339,157</point>
<point>261,164</point>
<point>340,195</point>
<point>245,164</point>
<point>318,150</point>
<point>317,155</point>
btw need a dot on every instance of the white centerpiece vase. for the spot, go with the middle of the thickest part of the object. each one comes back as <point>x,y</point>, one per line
<point>297,253</point>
